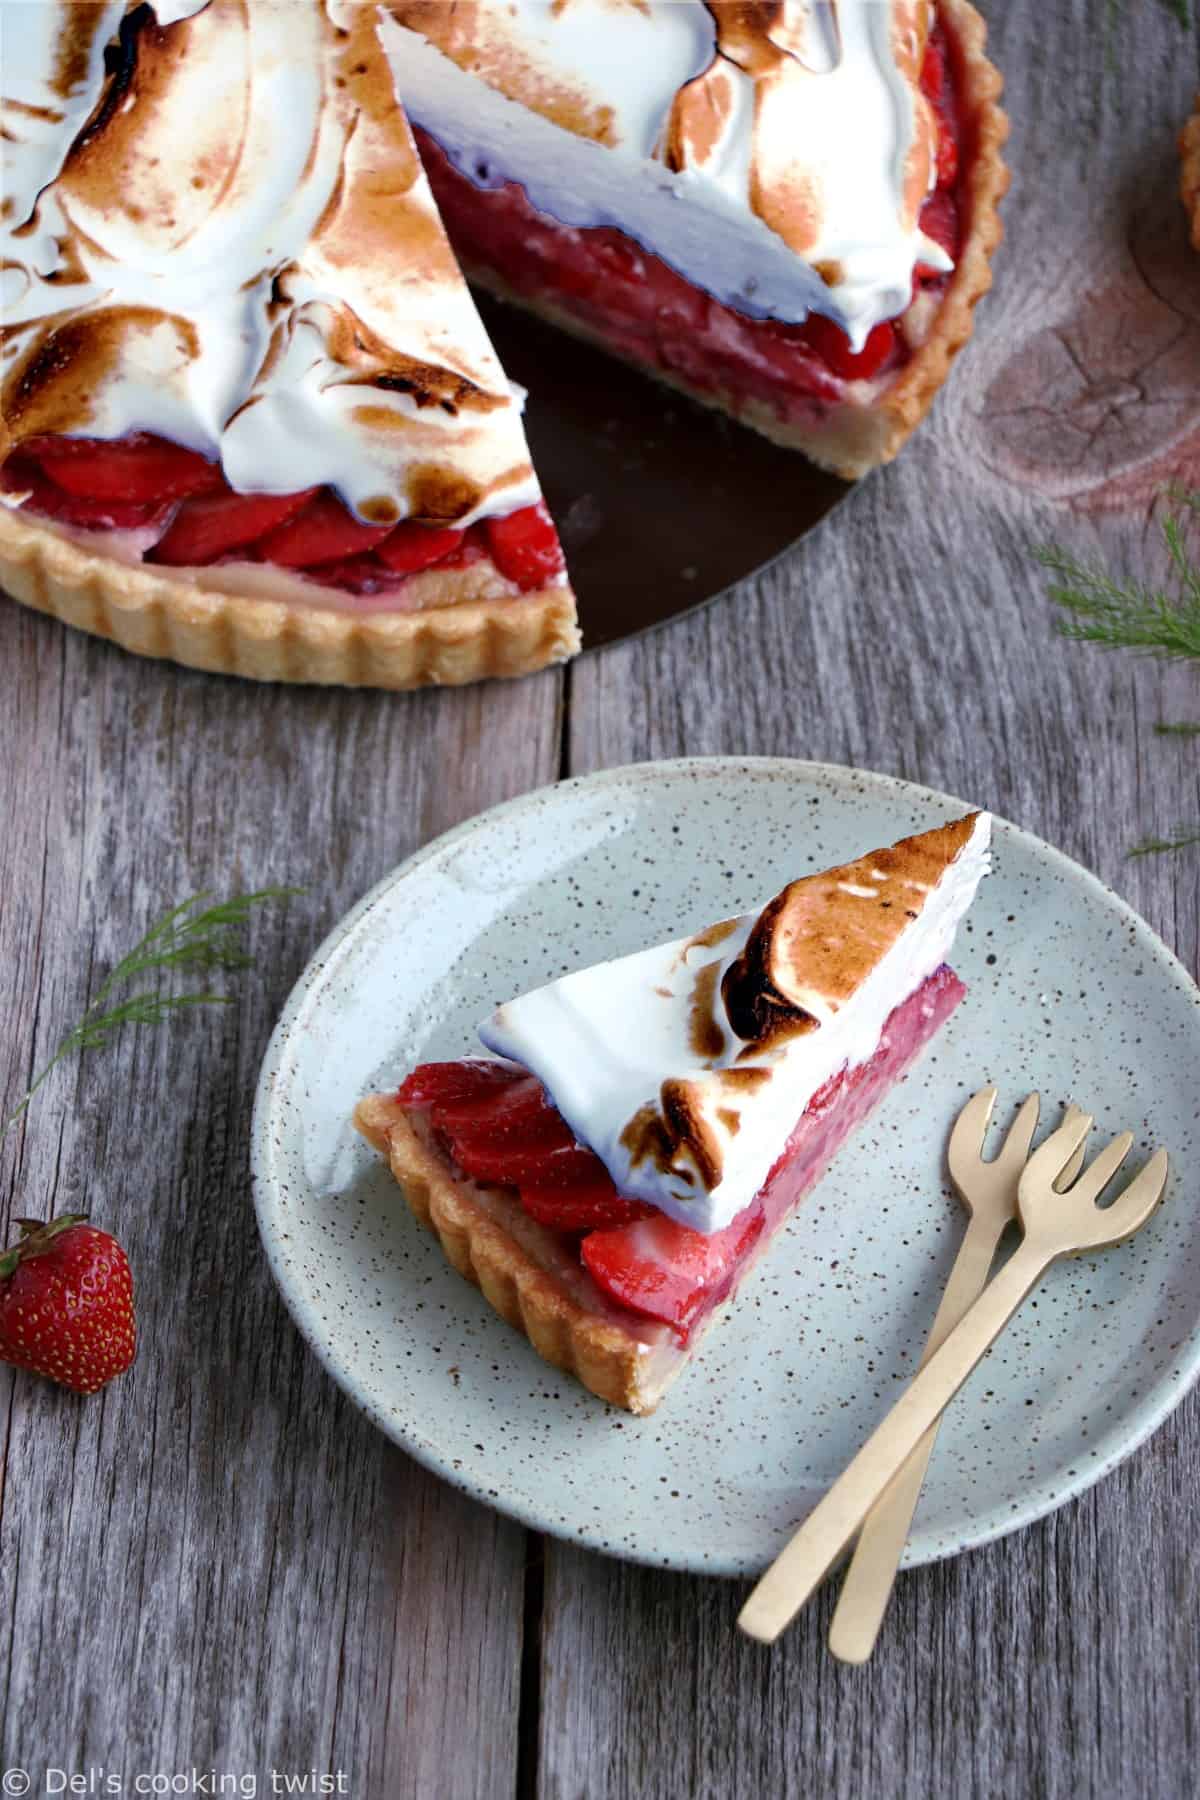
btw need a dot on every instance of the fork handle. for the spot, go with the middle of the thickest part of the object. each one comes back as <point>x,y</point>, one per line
<point>836,1519</point>
<point>871,1574</point>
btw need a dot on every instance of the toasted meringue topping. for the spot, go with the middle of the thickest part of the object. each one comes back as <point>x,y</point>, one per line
<point>774,152</point>
<point>686,1067</point>
<point>229,241</point>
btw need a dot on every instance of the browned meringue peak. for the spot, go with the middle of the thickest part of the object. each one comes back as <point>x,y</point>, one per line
<point>246,258</point>
<point>735,1030</point>
<point>479,36</point>
<point>776,153</point>
<point>783,47</point>
<point>818,941</point>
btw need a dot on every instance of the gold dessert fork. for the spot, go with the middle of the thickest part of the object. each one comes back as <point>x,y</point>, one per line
<point>989,1193</point>
<point>1055,1225</point>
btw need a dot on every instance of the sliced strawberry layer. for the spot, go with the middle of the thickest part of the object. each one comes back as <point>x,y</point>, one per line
<point>139,482</point>
<point>20,475</point>
<point>938,89</point>
<point>519,1111</point>
<point>320,532</point>
<point>411,547</point>
<point>507,1164</point>
<point>444,1083</point>
<point>590,1206</point>
<point>646,312</point>
<point>140,470</point>
<point>221,523</point>
<point>500,1127</point>
<point>525,546</point>
<point>833,346</point>
<point>664,1271</point>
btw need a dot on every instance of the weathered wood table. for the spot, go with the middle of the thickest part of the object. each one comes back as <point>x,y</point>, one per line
<point>219,1566</point>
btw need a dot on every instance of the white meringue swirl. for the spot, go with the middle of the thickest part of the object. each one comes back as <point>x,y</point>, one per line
<point>604,1040</point>
<point>242,255</point>
<point>774,154</point>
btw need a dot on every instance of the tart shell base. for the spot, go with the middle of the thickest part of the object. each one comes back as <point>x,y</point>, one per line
<point>615,1364</point>
<point>271,640</point>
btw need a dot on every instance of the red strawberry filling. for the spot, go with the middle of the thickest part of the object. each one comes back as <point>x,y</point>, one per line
<point>500,1127</point>
<point>645,311</point>
<point>192,518</point>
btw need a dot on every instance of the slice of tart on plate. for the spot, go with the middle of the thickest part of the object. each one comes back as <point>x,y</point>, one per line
<point>251,419</point>
<point>644,1128</point>
<point>787,211</point>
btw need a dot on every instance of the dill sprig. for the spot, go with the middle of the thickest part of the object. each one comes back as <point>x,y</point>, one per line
<point>192,936</point>
<point>1183,840</point>
<point>1097,609</point>
<point>1127,615</point>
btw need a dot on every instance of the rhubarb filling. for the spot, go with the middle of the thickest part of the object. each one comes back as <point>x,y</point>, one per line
<point>628,299</point>
<point>499,1127</point>
<point>176,507</point>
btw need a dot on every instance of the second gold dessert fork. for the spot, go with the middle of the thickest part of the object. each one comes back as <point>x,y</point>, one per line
<point>1054,1225</point>
<point>989,1192</point>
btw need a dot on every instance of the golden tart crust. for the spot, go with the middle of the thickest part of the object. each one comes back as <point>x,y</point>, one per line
<point>478,1230</point>
<point>1189,186</point>
<point>275,639</point>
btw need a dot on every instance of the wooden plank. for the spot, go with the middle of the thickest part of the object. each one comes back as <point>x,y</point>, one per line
<point>218,1563</point>
<point>912,634</point>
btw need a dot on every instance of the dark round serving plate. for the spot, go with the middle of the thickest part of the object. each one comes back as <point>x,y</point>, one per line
<point>661,504</point>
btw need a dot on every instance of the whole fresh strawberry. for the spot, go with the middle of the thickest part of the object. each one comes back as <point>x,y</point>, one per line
<point>66,1303</point>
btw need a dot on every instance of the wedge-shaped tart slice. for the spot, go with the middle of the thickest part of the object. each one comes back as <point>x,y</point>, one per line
<point>787,209</point>
<point>250,417</point>
<point>648,1125</point>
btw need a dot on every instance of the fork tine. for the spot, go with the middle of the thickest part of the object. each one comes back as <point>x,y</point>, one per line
<point>1014,1151</point>
<point>970,1129</point>
<point>1134,1204</point>
<point>1052,1157</point>
<point>1072,1168</point>
<point>1092,1184</point>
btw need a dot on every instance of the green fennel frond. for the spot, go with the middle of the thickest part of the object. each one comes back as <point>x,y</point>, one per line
<point>1127,615</point>
<point>192,935</point>
<point>1182,840</point>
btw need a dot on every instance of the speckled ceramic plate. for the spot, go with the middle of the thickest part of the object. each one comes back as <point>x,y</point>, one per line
<point>1070,993</point>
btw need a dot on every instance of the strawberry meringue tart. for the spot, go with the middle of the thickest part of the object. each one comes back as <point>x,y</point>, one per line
<point>251,418</point>
<point>643,1129</point>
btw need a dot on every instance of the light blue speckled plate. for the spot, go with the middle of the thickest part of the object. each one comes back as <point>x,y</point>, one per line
<point>1070,993</point>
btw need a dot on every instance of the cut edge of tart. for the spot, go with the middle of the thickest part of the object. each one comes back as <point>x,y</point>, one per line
<point>206,619</point>
<point>1189,183</point>
<point>865,429</point>
<point>615,1290</point>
